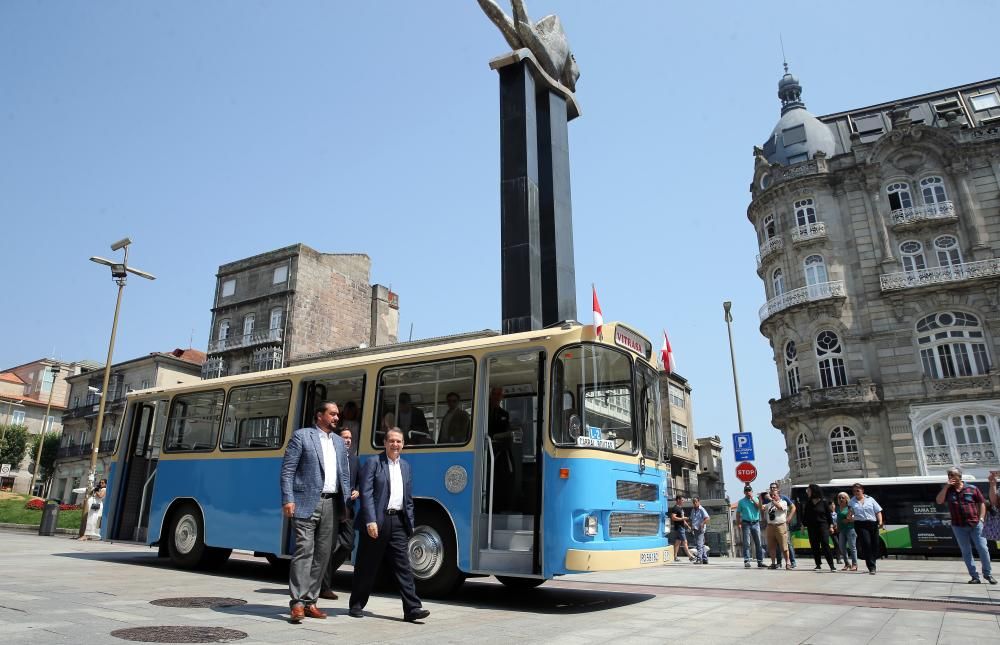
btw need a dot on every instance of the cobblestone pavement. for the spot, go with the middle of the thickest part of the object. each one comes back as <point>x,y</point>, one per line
<point>57,590</point>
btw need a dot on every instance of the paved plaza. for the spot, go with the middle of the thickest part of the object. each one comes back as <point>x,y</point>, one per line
<point>57,590</point>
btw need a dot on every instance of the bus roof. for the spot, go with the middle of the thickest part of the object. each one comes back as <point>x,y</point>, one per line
<point>884,481</point>
<point>415,349</point>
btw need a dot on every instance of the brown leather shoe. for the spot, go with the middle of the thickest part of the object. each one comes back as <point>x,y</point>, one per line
<point>312,611</point>
<point>328,594</point>
<point>298,613</point>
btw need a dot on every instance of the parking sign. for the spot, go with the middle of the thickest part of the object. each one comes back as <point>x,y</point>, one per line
<point>743,446</point>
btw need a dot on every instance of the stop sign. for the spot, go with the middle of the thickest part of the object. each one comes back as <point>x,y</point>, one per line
<point>746,472</point>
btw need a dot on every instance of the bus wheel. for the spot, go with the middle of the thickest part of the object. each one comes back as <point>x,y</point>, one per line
<point>520,583</point>
<point>186,539</point>
<point>434,557</point>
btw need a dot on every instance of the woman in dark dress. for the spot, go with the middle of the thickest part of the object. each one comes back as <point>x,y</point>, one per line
<point>816,517</point>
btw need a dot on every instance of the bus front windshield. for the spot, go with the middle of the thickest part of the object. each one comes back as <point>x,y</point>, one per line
<point>593,399</point>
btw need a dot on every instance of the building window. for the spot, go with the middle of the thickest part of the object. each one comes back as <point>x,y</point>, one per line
<point>778,282</point>
<point>947,251</point>
<point>276,318</point>
<point>803,461</point>
<point>964,439</point>
<point>145,383</point>
<point>224,329</point>
<point>815,270</point>
<point>213,368</point>
<point>679,435</point>
<point>830,360</point>
<point>805,212</point>
<point>792,367</point>
<point>267,359</point>
<point>899,196</point>
<point>248,325</point>
<point>767,229</point>
<point>952,345</point>
<point>676,395</point>
<point>984,101</point>
<point>229,287</point>
<point>17,418</point>
<point>48,378</point>
<point>933,191</point>
<point>280,274</point>
<point>844,448</point>
<point>911,253</point>
<point>76,401</point>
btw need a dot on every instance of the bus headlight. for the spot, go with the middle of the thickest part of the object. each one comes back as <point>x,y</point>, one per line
<point>590,525</point>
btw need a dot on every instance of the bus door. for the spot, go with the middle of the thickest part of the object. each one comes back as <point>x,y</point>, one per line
<point>511,457</point>
<point>136,466</point>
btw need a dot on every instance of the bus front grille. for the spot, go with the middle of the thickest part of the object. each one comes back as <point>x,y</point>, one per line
<point>633,524</point>
<point>636,491</point>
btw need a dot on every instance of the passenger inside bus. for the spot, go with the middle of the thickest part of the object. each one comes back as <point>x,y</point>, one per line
<point>507,454</point>
<point>411,421</point>
<point>455,424</point>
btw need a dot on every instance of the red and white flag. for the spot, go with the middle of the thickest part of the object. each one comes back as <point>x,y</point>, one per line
<point>598,316</point>
<point>667,354</point>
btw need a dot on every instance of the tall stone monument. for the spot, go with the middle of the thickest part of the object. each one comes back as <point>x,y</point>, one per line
<point>537,101</point>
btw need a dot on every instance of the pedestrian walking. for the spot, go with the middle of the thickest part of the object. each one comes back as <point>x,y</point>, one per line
<point>776,512</point>
<point>866,513</point>
<point>816,517</point>
<point>748,521</point>
<point>847,537</point>
<point>680,525</point>
<point>699,524</point>
<point>967,507</point>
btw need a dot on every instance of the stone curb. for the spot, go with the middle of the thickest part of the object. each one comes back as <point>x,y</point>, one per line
<point>34,527</point>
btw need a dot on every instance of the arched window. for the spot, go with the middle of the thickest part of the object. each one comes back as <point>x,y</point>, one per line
<point>936,450</point>
<point>830,360</point>
<point>805,212</point>
<point>947,251</point>
<point>933,191</point>
<point>972,436</point>
<point>767,229</point>
<point>803,461</point>
<point>844,448</point>
<point>224,329</point>
<point>911,252</point>
<point>792,367</point>
<point>952,344</point>
<point>899,196</point>
<point>815,270</point>
<point>778,282</point>
<point>965,439</point>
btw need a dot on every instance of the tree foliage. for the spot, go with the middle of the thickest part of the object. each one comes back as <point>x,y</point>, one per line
<point>13,444</point>
<point>50,450</point>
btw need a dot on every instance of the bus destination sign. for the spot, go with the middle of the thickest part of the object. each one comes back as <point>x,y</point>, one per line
<point>590,442</point>
<point>625,337</point>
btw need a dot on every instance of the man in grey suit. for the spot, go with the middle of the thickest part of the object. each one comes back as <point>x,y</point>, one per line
<point>315,489</point>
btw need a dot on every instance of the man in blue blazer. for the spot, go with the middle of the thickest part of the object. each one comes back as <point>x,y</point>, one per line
<point>386,521</point>
<point>315,489</point>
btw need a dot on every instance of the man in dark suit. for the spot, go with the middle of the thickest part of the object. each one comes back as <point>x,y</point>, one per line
<point>315,489</point>
<point>387,517</point>
<point>343,545</point>
<point>411,421</point>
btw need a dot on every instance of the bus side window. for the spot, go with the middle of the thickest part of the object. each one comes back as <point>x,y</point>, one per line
<point>348,392</point>
<point>256,417</point>
<point>193,423</point>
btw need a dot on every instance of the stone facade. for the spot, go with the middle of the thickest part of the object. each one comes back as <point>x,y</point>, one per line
<point>273,308</point>
<point>882,279</point>
<point>76,447</point>
<point>694,469</point>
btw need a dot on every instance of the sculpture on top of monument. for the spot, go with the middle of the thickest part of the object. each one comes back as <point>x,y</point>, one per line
<point>545,39</point>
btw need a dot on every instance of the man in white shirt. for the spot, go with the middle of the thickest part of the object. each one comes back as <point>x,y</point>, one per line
<point>387,517</point>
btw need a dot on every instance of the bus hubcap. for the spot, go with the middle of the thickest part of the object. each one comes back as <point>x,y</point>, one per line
<point>186,534</point>
<point>426,552</point>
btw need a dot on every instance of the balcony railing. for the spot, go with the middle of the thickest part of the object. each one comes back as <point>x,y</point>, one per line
<point>968,454</point>
<point>940,275</point>
<point>854,396</point>
<point>85,449</point>
<point>847,461</point>
<point>808,232</point>
<point>767,248</point>
<point>914,214</point>
<point>811,293</point>
<point>245,340</point>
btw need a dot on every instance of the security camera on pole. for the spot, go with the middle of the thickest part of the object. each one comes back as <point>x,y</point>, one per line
<point>119,273</point>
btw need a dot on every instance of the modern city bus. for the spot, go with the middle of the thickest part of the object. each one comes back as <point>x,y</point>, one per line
<point>583,486</point>
<point>914,523</point>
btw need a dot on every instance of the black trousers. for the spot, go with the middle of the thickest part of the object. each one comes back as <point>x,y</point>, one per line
<point>819,541</point>
<point>390,549</point>
<point>343,547</point>
<point>868,543</point>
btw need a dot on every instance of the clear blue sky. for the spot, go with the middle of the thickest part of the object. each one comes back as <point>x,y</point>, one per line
<point>213,130</point>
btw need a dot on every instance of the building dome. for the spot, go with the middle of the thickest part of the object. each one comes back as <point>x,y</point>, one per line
<point>799,135</point>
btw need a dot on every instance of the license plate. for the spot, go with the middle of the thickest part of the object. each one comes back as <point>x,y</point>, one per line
<point>649,557</point>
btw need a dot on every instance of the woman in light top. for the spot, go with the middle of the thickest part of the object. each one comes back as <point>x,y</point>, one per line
<point>866,513</point>
<point>847,537</point>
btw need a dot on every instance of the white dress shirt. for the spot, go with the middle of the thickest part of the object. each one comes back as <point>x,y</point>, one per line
<point>329,462</point>
<point>395,486</point>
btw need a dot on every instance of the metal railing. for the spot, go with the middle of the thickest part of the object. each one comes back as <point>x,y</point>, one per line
<point>245,340</point>
<point>802,295</point>
<point>941,210</point>
<point>767,248</point>
<point>809,232</point>
<point>940,275</point>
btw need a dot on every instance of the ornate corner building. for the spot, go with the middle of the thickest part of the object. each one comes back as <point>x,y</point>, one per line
<point>879,238</point>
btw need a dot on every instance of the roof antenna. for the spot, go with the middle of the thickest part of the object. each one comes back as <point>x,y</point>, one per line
<point>783,57</point>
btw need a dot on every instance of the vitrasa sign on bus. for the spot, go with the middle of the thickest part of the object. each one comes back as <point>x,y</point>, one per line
<point>625,337</point>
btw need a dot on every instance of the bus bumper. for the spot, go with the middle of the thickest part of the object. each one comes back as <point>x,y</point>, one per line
<point>585,560</point>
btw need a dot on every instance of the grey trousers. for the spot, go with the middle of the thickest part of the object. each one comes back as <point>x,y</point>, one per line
<point>313,543</point>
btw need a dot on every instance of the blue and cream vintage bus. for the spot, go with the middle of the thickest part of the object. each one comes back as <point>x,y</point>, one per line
<point>574,480</point>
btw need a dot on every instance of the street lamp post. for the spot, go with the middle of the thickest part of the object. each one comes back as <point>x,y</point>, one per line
<point>119,273</point>
<point>41,435</point>
<point>727,307</point>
